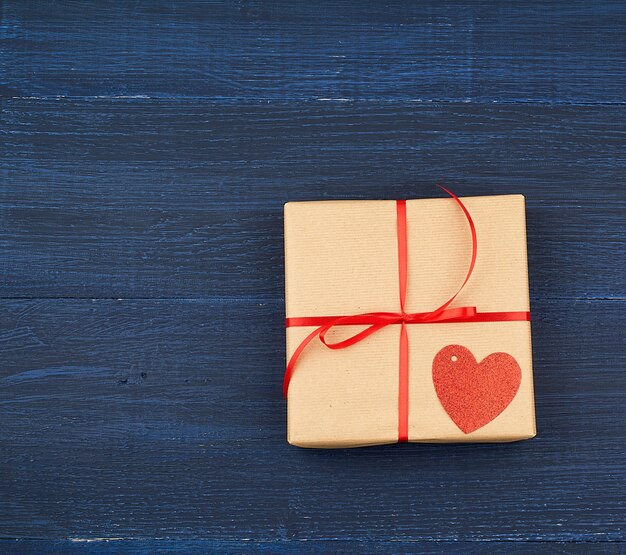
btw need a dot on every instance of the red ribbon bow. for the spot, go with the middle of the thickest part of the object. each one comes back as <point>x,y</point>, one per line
<point>378,320</point>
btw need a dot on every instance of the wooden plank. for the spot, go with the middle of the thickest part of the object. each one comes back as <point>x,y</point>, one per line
<point>563,52</point>
<point>319,547</point>
<point>170,199</point>
<point>164,418</point>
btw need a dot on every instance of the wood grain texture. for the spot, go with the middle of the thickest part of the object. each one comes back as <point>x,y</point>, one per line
<point>202,547</point>
<point>146,151</point>
<point>153,418</point>
<point>163,198</point>
<point>554,52</point>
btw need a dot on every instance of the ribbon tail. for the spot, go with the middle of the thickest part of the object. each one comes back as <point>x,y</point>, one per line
<point>294,358</point>
<point>378,320</point>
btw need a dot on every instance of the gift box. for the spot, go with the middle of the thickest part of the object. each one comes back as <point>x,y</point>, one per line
<point>407,321</point>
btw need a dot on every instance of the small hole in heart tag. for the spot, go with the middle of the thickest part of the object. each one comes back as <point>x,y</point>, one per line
<point>474,393</point>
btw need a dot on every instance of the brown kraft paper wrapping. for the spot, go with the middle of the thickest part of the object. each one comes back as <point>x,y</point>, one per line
<point>341,258</point>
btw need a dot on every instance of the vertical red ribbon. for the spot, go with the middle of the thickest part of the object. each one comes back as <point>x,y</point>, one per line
<point>403,376</point>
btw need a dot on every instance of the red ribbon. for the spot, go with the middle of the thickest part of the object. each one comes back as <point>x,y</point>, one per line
<point>378,320</point>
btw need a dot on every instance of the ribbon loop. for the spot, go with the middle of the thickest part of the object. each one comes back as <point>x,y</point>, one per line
<point>378,320</point>
<point>360,336</point>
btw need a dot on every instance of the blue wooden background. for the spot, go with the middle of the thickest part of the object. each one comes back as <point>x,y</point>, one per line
<point>147,150</point>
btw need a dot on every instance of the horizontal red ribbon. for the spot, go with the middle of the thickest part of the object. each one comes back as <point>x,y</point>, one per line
<point>378,320</point>
<point>365,319</point>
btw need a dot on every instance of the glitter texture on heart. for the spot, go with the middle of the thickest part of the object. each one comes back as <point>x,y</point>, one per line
<point>474,393</point>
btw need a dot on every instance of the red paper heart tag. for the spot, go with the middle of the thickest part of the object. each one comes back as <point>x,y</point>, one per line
<point>473,393</point>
